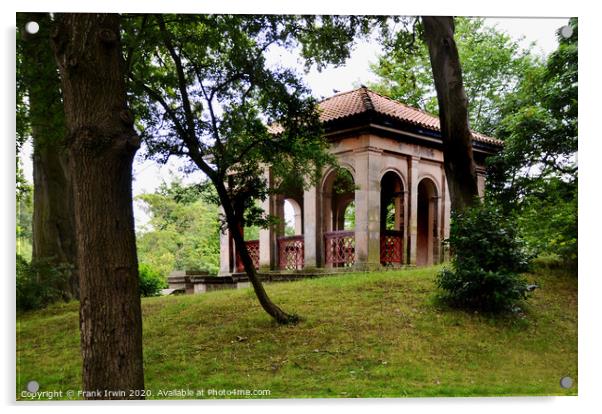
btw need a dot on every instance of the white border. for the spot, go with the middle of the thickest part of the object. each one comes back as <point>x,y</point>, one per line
<point>589,150</point>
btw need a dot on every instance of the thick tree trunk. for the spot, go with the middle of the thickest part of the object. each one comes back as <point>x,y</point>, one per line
<point>453,111</point>
<point>234,227</point>
<point>102,144</point>
<point>53,225</point>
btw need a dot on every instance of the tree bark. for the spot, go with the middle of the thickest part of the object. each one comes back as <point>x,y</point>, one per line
<point>234,221</point>
<point>53,224</point>
<point>102,144</point>
<point>453,111</point>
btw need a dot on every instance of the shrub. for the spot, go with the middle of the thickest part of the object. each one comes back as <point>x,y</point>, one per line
<point>38,284</point>
<point>488,258</point>
<point>151,280</point>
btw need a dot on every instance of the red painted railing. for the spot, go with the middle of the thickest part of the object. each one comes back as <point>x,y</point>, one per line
<point>253,248</point>
<point>291,254</point>
<point>391,247</point>
<point>340,248</point>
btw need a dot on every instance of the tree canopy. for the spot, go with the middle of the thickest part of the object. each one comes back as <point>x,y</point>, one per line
<point>205,91</point>
<point>492,66</point>
<point>536,175</point>
<point>183,231</point>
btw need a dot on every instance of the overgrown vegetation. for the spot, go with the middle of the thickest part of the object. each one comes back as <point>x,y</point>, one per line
<point>535,177</point>
<point>492,66</point>
<point>487,262</point>
<point>363,335</point>
<point>38,284</point>
<point>151,281</point>
<point>183,232</point>
<point>24,196</point>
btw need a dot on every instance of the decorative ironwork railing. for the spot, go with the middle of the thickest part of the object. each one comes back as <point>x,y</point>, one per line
<point>340,248</point>
<point>291,254</point>
<point>253,248</point>
<point>391,247</point>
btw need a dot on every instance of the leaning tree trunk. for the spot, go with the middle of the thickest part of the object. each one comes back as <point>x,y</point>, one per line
<point>234,221</point>
<point>102,144</point>
<point>453,111</point>
<point>53,225</point>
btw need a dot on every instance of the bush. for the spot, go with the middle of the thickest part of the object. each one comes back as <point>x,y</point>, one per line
<point>151,281</point>
<point>38,284</point>
<point>487,260</point>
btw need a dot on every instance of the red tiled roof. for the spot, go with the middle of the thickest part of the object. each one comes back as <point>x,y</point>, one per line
<point>362,100</point>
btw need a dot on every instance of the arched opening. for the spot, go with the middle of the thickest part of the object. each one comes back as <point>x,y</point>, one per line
<point>338,201</point>
<point>427,223</point>
<point>339,193</point>
<point>391,219</point>
<point>290,242</point>
<point>349,217</point>
<point>293,217</point>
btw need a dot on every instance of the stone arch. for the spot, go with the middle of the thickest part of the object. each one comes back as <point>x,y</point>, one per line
<point>333,204</point>
<point>397,172</point>
<point>433,179</point>
<point>392,190</point>
<point>393,216</point>
<point>328,174</point>
<point>427,240</point>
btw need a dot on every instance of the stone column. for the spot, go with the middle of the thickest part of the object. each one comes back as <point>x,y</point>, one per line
<point>443,217</point>
<point>225,253</point>
<point>481,181</point>
<point>312,232</point>
<point>406,223</point>
<point>267,236</point>
<point>413,222</point>
<point>367,208</point>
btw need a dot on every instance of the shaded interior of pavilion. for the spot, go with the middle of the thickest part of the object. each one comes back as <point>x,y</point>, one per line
<point>337,225</point>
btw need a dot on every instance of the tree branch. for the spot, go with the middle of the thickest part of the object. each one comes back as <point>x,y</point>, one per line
<point>181,82</point>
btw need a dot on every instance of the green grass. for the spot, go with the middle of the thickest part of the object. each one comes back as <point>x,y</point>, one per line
<point>362,335</point>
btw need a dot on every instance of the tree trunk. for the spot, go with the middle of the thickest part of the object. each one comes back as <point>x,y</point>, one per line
<point>102,144</point>
<point>234,222</point>
<point>453,111</point>
<point>53,226</point>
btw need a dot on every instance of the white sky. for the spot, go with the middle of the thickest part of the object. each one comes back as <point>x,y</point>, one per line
<point>148,175</point>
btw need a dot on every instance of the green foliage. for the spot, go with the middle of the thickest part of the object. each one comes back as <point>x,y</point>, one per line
<point>38,284</point>
<point>492,65</point>
<point>183,232</point>
<point>548,220</point>
<point>349,222</point>
<point>37,78</point>
<point>150,281</point>
<point>251,233</point>
<point>24,215</point>
<point>204,90</point>
<point>535,176</point>
<point>488,258</point>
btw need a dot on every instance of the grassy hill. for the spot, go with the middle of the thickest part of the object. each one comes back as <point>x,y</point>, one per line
<point>365,335</point>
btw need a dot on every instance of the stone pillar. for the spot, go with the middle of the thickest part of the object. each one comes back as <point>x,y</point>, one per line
<point>481,181</point>
<point>267,236</point>
<point>298,217</point>
<point>406,225</point>
<point>279,213</point>
<point>443,217</point>
<point>413,222</point>
<point>312,232</point>
<point>225,254</point>
<point>367,208</point>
